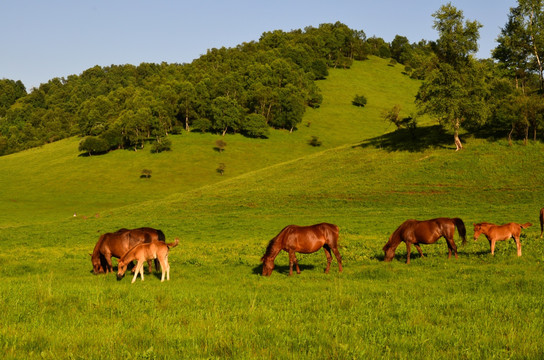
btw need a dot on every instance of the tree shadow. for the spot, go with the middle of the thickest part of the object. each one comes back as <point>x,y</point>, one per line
<point>412,140</point>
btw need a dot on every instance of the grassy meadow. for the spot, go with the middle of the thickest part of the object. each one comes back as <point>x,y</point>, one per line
<point>365,178</point>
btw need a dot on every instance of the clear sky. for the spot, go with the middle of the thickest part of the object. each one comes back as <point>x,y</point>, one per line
<point>43,39</point>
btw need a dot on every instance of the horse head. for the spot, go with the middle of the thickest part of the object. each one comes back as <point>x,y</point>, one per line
<point>477,231</point>
<point>268,265</point>
<point>121,269</point>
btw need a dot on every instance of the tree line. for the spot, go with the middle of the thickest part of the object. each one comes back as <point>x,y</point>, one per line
<point>269,83</point>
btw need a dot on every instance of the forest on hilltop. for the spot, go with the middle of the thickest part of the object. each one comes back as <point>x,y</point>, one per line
<point>269,83</point>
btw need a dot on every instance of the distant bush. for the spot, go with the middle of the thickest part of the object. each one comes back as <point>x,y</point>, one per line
<point>255,126</point>
<point>94,145</point>
<point>202,124</point>
<point>163,145</point>
<point>314,141</point>
<point>220,145</point>
<point>359,100</point>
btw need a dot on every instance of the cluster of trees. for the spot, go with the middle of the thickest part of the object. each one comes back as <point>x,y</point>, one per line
<point>501,96</point>
<point>247,89</point>
<point>270,83</point>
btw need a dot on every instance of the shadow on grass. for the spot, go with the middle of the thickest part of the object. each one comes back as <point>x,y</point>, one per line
<point>282,269</point>
<point>412,140</point>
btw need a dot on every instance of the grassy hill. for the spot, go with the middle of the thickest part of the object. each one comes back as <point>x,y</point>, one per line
<point>363,178</point>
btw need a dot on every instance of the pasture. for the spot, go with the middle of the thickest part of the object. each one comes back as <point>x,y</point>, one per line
<point>216,305</point>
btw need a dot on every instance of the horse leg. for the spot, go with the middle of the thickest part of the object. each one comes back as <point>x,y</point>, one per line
<point>149,266</point>
<point>408,253</point>
<point>419,250</point>
<point>138,266</point>
<point>327,250</point>
<point>109,267</point>
<point>492,242</point>
<point>338,258</point>
<point>518,245</point>
<point>163,263</point>
<point>292,259</point>
<point>296,265</point>
<point>452,246</point>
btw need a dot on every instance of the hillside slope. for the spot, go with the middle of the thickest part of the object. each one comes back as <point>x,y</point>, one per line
<point>52,182</point>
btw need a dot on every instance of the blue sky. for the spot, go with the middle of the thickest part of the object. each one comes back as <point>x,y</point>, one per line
<point>43,39</point>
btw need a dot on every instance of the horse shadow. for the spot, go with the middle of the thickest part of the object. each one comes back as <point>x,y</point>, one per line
<point>282,269</point>
<point>411,140</point>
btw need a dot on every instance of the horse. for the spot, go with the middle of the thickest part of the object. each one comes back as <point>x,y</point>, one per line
<point>541,222</point>
<point>145,252</point>
<point>424,232</point>
<point>302,239</point>
<point>495,233</point>
<point>118,243</point>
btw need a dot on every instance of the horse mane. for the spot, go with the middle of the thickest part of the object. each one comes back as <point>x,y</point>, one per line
<point>98,244</point>
<point>395,238</point>
<point>271,243</point>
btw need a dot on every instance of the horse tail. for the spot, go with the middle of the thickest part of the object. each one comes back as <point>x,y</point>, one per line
<point>526,225</point>
<point>461,228</point>
<point>173,244</point>
<point>161,236</point>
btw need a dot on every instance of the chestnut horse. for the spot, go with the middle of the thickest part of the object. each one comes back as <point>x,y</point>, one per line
<point>425,232</point>
<point>302,239</point>
<point>495,233</point>
<point>118,243</point>
<point>145,252</point>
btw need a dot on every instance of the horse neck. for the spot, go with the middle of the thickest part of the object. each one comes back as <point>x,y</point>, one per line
<point>96,250</point>
<point>273,249</point>
<point>129,256</point>
<point>394,240</point>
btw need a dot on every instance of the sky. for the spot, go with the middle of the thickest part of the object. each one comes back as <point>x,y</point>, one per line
<point>44,39</point>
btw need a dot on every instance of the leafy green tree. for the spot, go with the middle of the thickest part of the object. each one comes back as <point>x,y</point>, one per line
<point>455,92</point>
<point>255,126</point>
<point>226,114</point>
<point>10,91</point>
<point>513,50</point>
<point>93,145</point>
<point>186,93</point>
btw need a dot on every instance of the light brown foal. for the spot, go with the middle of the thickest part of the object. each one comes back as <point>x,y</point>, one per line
<point>142,253</point>
<point>495,233</point>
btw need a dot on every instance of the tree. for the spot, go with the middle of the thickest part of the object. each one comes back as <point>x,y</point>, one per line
<point>532,12</point>
<point>455,91</point>
<point>255,125</point>
<point>513,49</point>
<point>226,114</point>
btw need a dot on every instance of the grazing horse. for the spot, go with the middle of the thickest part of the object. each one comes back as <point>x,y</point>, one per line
<point>495,233</point>
<point>118,243</point>
<point>302,239</point>
<point>425,232</point>
<point>145,252</point>
<point>541,222</point>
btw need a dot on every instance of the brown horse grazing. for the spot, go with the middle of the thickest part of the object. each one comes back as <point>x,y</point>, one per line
<point>302,239</point>
<point>541,222</point>
<point>118,243</point>
<point>495,233</point>
<point>425,232</point>
<point>145,252</point>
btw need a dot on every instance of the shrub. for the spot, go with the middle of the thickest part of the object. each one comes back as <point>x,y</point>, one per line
<point>314,141</point>
<point>255,126</point>
<point>94,145</point>
<point>359,100</point>
<point>163,145</point>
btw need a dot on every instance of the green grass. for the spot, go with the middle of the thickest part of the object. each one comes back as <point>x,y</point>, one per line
<point>216,305</point>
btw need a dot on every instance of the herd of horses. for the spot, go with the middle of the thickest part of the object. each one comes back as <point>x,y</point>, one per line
<point>148,244</point>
